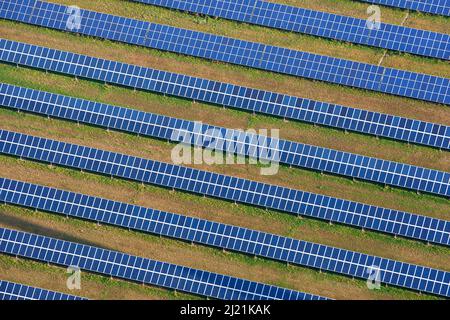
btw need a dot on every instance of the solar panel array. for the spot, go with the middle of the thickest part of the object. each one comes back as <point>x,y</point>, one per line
<point>223,236</point>
<point>16,291</point>
<point>141,270</point>
<point>229,140</point>
<point>317,23</point>
<point>226,187</point>
<point>440,7</point>
<point>245,53</point>
<point>249,54</point>
<point>225,94</point>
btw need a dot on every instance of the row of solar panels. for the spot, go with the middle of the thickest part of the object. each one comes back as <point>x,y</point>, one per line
<point>142,270</point>
<point>440,7</point>
<point>224,236</point>
<point>245,53</point>
<point>226,187</point>
<point>226,94</point>
<point>16,291</point>
<point>317,23</point>
<point>226,140</point>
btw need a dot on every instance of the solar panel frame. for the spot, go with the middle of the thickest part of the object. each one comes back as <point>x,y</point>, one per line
<point>225,94</point>
<point>16,291</point>
<point>438,7</point>
<point>226,140</point>
<point>230,188</point>
<point>142,270</point>
<point>318,23</point>
<point>220,235</point>
<point>251,54</point>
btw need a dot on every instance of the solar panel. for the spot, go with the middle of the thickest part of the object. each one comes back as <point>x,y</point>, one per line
<point>318,23</point>
<point>230,50</point>
<point>226,94</point>
<point>220,235</point>
<point>142,270</point>
<point>226,187</point>
<point>16,291</point>
<point>229,140</point>
<point>440,7</point>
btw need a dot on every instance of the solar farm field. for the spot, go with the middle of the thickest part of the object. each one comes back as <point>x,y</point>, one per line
<point>302,201</point>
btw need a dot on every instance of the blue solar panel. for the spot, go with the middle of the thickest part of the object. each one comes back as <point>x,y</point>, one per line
<point>17,291</point>
<point>226,94</point>
<point>221,235</point>
<point>317,23</point>
<point>250,54</point>
<point>440,7</point>
<point>226,187</point>
<point>142,270</point>
<point>234,141</point>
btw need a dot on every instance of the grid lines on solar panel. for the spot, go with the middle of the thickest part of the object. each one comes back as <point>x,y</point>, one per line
<point>142,270</point>
<point>226,187</point>
<point>317,23</point>
<point>439,7</point>
<point>226,140</point>
<point>226,94</point>
<point>220,235</point>
<point>251,54</point>
<point>16,291</point>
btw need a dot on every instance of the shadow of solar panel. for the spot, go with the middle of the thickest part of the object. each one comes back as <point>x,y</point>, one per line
<point>142,270</point>
<point>224,236</point>
<point>227,140</point>
<point>226,187</point>
<point>235,51</point>
<point>225,94</point>
<point>317,23</point>
<point>439,7</point>
<point>17,291</point>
